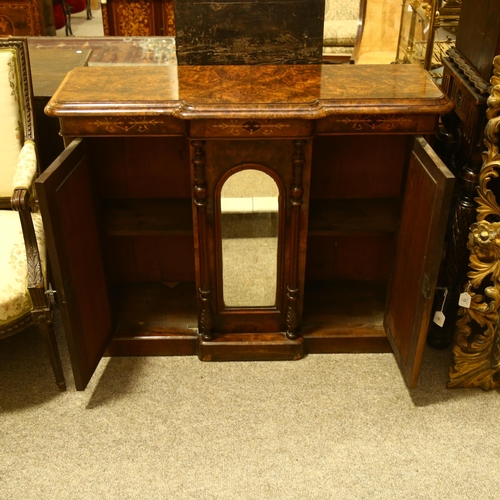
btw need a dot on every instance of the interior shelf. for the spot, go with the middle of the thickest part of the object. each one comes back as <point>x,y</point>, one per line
<point>155,319</point>
<point>148,217</point>
<point>345,316</point>
<point>353,216</point>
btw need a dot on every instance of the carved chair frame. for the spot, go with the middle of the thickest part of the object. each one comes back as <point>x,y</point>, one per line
<point>20,201</point>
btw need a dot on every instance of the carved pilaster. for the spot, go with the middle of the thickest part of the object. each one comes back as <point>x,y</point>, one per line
<point>296,194</point>
<point>200,195</point>
<point>476,352</point>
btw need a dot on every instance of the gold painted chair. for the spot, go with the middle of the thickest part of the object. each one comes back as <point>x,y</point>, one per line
<point>23,298</point>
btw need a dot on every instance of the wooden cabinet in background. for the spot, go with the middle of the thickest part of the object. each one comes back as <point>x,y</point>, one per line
<point>26,18</point>
<point>140,18</point>
<point>138,227</point>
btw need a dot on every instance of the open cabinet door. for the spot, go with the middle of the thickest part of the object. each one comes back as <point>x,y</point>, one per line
<point>419,249</point>
<point>69,216</point>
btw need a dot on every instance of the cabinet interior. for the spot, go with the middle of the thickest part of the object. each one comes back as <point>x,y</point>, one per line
<point>143,191</point>
<point>144,196</point>
<point>355,204</point>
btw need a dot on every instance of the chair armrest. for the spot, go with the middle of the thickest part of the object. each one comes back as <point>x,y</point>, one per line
<point>26,167</point>
<point>22,181</point>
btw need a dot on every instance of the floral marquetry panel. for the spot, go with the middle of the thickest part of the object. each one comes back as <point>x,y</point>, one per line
<point>476,352</point>
<point>26,18</point>
<point>139,18</point>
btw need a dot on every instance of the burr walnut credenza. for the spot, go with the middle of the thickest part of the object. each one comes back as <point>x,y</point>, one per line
<point>246,212</point>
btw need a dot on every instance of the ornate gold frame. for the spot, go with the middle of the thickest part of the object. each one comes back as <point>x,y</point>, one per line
<point>476,350</point>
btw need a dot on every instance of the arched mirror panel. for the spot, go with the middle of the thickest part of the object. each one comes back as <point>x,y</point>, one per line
<point>249,229</point>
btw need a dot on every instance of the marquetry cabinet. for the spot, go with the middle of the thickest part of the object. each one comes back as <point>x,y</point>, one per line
<point>246,212</point>
<point>26,18</point>
<point>141,18</point>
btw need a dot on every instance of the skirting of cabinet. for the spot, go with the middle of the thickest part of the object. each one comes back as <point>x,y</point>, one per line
<point>343,318</point>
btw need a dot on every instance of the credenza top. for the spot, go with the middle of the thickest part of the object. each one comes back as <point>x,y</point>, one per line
<point>267,91</point>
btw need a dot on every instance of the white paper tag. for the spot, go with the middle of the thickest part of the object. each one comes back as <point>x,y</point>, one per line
<point>464,300</point>
<point>426,29</point>
<point>410,8</point>
<point>439,318</point>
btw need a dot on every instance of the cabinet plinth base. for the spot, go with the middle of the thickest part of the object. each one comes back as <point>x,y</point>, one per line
<point>250,347</point>
<point>156,342</point>
<point>321,343</point>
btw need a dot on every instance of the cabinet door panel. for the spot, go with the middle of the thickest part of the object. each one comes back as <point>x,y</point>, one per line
<point>423,224</point>
<point>69,215</point>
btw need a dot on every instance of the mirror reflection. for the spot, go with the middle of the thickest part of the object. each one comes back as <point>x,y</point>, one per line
<point>249,229</point>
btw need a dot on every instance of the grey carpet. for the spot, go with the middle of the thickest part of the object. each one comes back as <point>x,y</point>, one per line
<point>339,426</point>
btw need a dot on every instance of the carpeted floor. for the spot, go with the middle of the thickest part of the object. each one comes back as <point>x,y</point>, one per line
<point>339,426</point>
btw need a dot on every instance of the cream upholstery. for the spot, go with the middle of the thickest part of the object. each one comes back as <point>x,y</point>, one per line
<point>10,124</point>
<point>14,297</point>
<point>18,166</point>
<point>23,257</point>
<point>341,26</point>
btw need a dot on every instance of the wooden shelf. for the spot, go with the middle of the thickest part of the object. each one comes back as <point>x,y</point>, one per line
<point>142,312</point>
<point>148,217</point>
<point>344,316</point>
<point>353,216</point>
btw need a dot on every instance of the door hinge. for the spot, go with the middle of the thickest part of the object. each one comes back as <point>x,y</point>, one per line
<point>50,292</point>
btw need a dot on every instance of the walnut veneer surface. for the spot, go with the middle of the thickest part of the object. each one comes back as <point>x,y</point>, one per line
<point>309,92</point>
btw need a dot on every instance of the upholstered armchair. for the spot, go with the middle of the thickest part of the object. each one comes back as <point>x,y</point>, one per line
<point>23,298</point>
<point>343,20</point>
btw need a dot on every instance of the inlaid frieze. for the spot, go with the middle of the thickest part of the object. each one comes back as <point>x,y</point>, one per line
<point>123,125</point>
<point>251,128</point>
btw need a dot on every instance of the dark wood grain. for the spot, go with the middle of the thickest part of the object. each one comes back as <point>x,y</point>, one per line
<point>151,217</point>
<point>346,316</point>
<point>358,216</point>
<point>424,217</point>
<point>154,319</point>
<point>249,31</point>
<point>478,36</point>
<point>66,197</point>
<point>251,347</point>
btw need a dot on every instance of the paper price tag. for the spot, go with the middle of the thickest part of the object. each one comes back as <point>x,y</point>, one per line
<point>426,29</point>
<point>439,318</point>
<point>464,300</point>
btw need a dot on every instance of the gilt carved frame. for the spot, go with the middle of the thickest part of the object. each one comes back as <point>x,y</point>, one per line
<point>476,350</point>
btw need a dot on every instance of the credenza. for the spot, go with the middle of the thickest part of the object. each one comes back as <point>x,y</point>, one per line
<point>246,212</point>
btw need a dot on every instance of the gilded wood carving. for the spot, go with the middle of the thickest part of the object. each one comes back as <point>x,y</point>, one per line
<point>476,352</point>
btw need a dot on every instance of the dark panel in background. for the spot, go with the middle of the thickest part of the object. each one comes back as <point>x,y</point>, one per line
<point>249,31</point>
